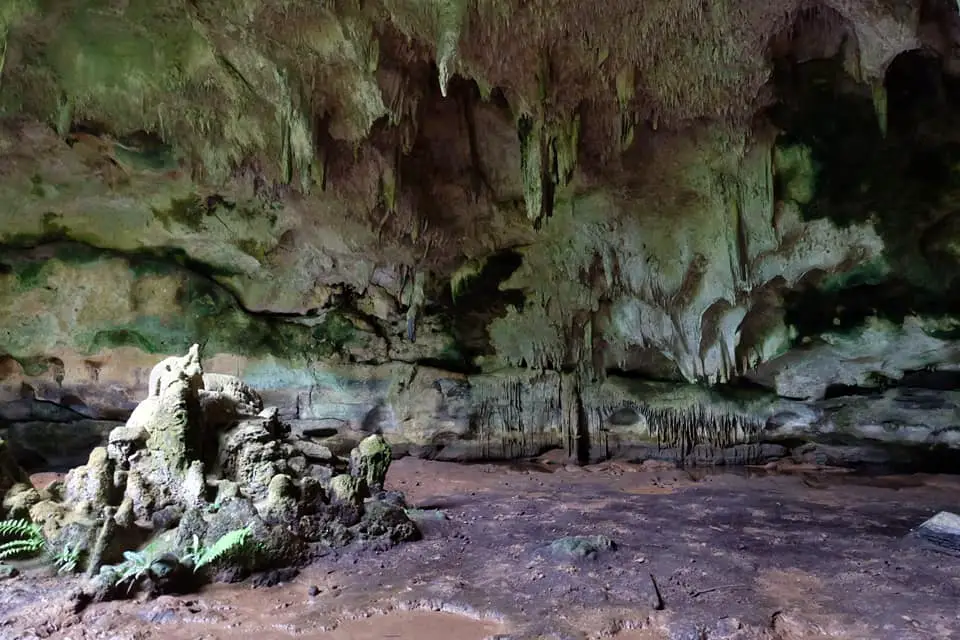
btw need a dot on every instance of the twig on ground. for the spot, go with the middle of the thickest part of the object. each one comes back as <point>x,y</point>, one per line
<point>696,594</point>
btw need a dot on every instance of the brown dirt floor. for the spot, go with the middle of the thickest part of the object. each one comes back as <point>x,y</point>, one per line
<point>791,554</point>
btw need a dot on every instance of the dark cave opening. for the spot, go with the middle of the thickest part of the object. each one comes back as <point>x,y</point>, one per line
<point>480,300</point>
<point>902,179</point>
<point>918,93</point>
<point>924,379</point>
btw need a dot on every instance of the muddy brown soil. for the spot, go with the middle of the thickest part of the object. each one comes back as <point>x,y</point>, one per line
<point>804,555</point>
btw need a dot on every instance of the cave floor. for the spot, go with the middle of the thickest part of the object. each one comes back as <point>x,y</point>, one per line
<point>809,556</point>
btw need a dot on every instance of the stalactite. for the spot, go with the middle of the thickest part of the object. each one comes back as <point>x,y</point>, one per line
<point>880,104</point>
<point>699,425</point>
<point>450,20</point>
<point>521,412</point>
<point>529,131</point>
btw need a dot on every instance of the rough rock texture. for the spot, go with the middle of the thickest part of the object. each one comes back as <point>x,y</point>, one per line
<point>11,476</point>
<point>172,476</point>
<point>362,207</point>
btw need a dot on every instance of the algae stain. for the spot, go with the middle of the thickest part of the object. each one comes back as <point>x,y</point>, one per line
<point>254,248</point>
<point>114,338</point>
<point>204,312</point>
<point>30,275</point>
<point>36,186</point>
<point>34,366</point>
<point>188,212</point>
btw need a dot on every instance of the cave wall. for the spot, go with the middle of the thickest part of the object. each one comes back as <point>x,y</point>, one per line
<point>487,227</point>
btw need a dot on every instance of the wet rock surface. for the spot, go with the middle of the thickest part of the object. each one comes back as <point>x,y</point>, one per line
<point>727,556</point>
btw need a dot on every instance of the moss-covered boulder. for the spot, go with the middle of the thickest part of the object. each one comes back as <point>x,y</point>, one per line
<point>370,461</point>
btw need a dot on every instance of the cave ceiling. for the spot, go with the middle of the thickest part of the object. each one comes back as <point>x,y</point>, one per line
<point>677,189</point>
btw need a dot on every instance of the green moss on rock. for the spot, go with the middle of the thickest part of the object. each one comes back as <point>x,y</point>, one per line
<point>114,338</point>
<point>188,212</point>
<point>203,310</point>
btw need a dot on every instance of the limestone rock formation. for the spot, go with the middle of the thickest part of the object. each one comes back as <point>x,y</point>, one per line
<point>173,476</point>
<point>379,213</point>
<point>370,460</point>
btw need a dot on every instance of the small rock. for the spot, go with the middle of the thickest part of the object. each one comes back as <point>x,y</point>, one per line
<point>313,451</point>
<point>942,532</point>
<point>227,489</point>
<point>313,591</point>
<point>193,490</point>
<point>297,464</point>
<point>273,577</point>
<point>19,500</point>
<point>395,498</point>
<point>280,505</point>
<point>581,547</point>
<point>166,518</point>
<point>164,614</point>
<point>6,571</point>
<point>385,520</point>
<point>103,586</point>
<point>727,628</point>
<point>125,515</point>
<point>321,472</point>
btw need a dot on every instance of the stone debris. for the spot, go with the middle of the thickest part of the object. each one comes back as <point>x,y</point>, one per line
<point>941,532</point>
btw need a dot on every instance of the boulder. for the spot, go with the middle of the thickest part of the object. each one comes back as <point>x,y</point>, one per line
<point>346,490</point>
<point>370,461</point>
<point>92,483</point>
<point>18,501</point>
<point>251,455</point>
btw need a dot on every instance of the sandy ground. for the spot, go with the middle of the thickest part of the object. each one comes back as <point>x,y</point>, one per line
<point>806,555</point>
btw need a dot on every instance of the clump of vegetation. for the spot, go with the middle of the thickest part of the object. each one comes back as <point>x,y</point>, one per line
<point>113,338</point>
<point>229,544</point>
<point>67,559</point>
<point>136,565</point>
<point>26,539</point>
<point>23,538</point>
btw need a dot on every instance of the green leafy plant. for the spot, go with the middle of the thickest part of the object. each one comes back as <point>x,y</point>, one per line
<point>194,552</point>
<point>67,559</point>
<point>136,564</point>
<point>228,544</point>
<point>27,538</point>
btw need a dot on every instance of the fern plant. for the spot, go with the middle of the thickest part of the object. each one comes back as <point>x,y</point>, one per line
<point>27,538</point>
<point>67,559</point>
<point>136,564</point>
<point>194,552</point>
<point>228,544</point>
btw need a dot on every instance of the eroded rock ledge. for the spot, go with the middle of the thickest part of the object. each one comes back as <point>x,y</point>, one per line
<point>430,412</point>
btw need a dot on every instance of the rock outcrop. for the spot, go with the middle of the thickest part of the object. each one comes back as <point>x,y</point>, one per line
<point>173,476</point>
